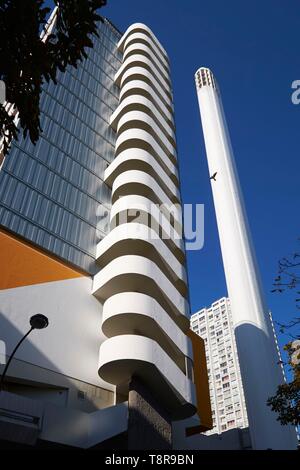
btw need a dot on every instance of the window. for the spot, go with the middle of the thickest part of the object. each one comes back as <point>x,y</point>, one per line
<point>81,395</point>
<point>189,368</point>
<point>226,385</point>
<point>231,423</point>
<point>223,427</point>
<point>223,364</point>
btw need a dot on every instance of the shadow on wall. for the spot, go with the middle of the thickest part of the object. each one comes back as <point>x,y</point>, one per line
<point>261,374</point>
<point>32,381</point>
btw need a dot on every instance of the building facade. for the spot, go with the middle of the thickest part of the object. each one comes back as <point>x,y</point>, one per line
<point>91,237</point>
<point>215,326</point>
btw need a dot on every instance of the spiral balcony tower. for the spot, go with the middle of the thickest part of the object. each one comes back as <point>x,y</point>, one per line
<point>142,279</point>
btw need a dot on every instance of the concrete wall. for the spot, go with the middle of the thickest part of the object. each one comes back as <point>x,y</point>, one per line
<point>65,354</point>
<point>235,439</point>
<point>148,425</point>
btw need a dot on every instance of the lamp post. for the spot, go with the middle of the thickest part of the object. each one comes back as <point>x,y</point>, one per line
<point>37,322</point>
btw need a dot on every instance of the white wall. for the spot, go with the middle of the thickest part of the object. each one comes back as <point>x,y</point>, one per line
<point>70,344</point>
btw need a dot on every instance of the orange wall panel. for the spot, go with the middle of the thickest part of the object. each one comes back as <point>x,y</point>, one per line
<point>201,384</point>
<point>21,264</point>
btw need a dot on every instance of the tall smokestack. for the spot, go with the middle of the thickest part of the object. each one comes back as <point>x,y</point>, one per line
<point>261,373</point>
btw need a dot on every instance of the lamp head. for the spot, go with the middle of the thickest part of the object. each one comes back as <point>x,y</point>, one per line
<point>38,322</point>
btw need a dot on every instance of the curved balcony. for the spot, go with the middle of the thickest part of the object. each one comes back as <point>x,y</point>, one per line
<point>138,239</point>
<point>123,356</point>
<point>142,28</point>
<point>145,105</point>
<point>139,209</point>
<point>132,319</point>
<point>142,74</point>
<point>141,120</point>
<point>139,60</point>
<point>142,184</point>
<point>145,39</point>
<point>130,312</point>
<point>141,38</point>
<point>137,159</point>
<point>145,50</point>
<point>139,138</point>
<point>142,88</point>
<point>139,274</point>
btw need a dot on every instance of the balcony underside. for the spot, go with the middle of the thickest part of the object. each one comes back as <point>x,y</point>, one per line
<point>124,356</point>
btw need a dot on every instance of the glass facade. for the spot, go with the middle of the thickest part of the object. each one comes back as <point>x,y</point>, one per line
<point>53,193</point>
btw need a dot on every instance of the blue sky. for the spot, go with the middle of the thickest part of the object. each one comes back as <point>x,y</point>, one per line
<point>252,47</point>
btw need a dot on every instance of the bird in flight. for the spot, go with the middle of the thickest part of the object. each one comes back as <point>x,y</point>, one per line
<point>213,177</point>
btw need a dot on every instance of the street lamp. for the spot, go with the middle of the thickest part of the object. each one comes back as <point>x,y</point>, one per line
<point>37,322</point>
